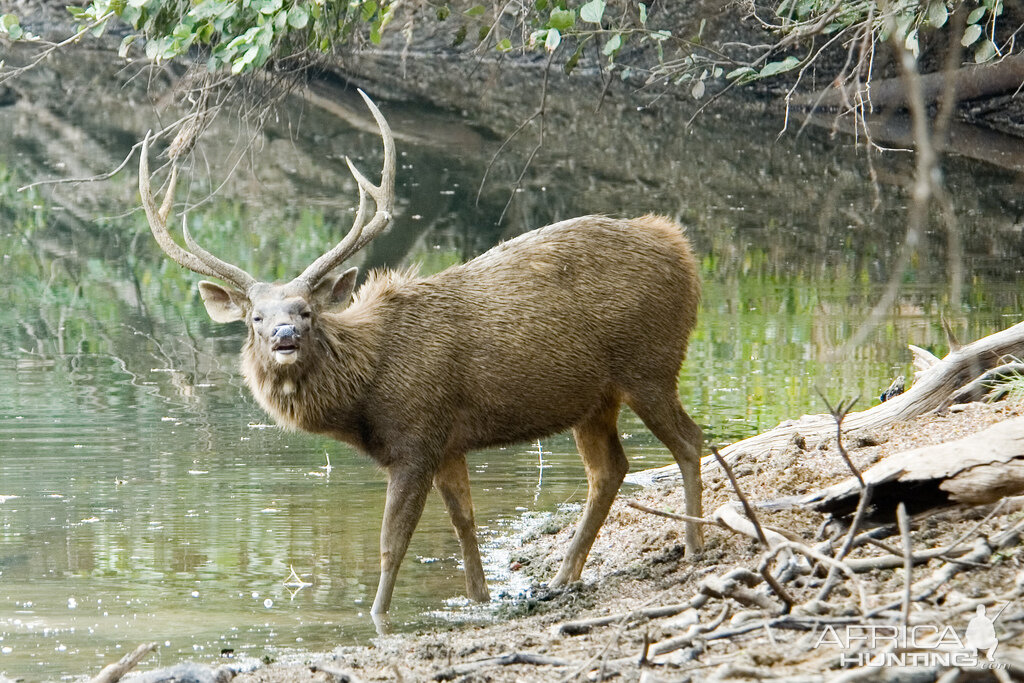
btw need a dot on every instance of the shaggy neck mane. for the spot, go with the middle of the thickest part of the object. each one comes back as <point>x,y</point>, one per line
<point>328,379</point>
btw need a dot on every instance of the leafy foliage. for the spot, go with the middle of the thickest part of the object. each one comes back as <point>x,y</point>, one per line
<point>245,35</point>
<point>240,35</point>
<point>905,19</point>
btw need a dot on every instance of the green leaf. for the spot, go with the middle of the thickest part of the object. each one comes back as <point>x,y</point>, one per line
<point>937,13</point>
<point>504,45</point>
<point>971,35</point>
<point>612,46</point>
<point>368,10</point>
<point>126,42</point>
<point>245,60</point>
<point>298,17</point>
<point>8,21</point>
<point>593,11</point>
<point>562,19</point>
<point>643,13</point>
<point>774,68</point>
<point>986,51</point>
<point>572,62</point>
<point>267,6</point>
<point>911,43</point>
<point>377,29</point>
<point>205,33</point>
<point>152,49</point>
<point>553,40</point>
<point>976,14</point>
<point>475,11</point>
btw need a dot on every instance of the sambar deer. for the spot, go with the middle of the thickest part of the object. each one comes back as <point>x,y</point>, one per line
<point>548,331</point>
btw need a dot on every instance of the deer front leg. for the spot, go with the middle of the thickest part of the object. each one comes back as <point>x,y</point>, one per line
<point>407,493</point>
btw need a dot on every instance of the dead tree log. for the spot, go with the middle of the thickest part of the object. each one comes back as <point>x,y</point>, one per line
<point>968,83</point>
<point>975,470</point>
<point>932,390</point>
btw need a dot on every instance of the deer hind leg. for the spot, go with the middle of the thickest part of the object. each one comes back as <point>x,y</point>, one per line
<point>406,496</point>
<point>597,439</point>
<point>452,482</point>
<point>667,420</point>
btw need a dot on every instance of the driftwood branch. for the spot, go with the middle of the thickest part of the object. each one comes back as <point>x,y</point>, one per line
<point>929,392</point>
<point>114,672</point>
<point>978,469</point>
<point>504,660</point>
<point>703,619</point>
<point>581,626</point>
<point>985,384</point>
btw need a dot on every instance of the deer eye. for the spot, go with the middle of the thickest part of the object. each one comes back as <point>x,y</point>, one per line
<point>257,318</point>
<point>306,315</point>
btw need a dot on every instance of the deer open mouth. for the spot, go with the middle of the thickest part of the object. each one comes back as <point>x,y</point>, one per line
<point>286,352</point>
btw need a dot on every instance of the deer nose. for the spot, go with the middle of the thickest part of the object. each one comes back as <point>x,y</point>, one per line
<point>285,331</point>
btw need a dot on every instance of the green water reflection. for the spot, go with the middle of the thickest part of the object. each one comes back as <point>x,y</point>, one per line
<point>143,497</point>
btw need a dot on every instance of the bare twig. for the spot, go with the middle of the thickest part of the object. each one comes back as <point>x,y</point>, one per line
<point>53,47</point>
<point>848,543</point>
<point>695,631</point>
<point>113,672</point>
<point>670,515</point>
<point>539,115</point>
<point>747,507</point>
<point>839,413</point>
<point>908,560</point>
<point>925,180</point>
<point>460,670</point>
<point>581,626</point>
<point>812,554</point>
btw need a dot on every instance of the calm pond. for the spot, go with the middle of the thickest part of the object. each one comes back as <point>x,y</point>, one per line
<point>145,497</point>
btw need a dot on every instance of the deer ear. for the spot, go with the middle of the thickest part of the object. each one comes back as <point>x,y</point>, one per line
<point>336,291</point>
<point>224,304</point>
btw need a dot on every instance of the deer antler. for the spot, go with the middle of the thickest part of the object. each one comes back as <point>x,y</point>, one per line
<point>383,197</point>
<point>197,259</point>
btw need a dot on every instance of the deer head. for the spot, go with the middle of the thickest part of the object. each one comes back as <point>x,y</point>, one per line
<point>281,317</point>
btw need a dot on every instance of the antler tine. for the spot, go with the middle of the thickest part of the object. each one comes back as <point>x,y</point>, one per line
<point>158,216</point>
<point>201,261</point>
<point>383,196</point>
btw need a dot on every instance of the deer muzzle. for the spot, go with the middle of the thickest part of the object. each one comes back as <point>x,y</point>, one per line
<point>284,342</point>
